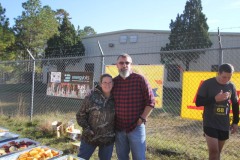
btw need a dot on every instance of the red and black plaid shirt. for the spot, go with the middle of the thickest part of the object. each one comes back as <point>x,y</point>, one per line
<point>131,96</point>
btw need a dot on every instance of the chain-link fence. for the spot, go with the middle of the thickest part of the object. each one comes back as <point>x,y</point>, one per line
<point>167,132</point>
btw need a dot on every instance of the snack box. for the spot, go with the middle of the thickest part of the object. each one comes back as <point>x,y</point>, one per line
<point>7,136</point>
<point>13,146</point>
<point>3,130</point>
<point>45,151</point>
<point>68,157</point>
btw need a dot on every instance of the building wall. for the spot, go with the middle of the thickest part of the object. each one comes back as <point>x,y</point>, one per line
<point>148,43</point>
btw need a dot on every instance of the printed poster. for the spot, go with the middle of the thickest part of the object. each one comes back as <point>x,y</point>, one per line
<point>69,84</point>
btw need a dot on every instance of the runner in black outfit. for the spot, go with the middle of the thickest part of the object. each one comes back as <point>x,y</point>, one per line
<point>215,94</point>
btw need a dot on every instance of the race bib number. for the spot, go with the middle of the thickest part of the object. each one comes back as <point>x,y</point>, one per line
<point>221,110</point>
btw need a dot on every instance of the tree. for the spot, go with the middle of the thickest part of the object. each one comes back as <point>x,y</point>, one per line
<point>3,20</point>
<point>7,37</point>
<point>188,31</point>
<point>87,31</point>
<point>60,14</point>
<point>66,44</point>
<point>34,27</point>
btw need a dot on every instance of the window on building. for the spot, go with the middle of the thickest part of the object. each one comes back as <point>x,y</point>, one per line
<point>123,39</point>
<point>214,68</point>
<point>133,39</point>
<point>173,73</point>
<point>89,67</point>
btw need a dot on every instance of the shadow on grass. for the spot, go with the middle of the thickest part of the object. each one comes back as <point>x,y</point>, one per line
<point>191,127</point>
<point>164,152</point>
<point>167,154</point>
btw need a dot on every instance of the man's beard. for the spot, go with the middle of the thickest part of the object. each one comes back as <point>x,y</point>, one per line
<point>124,73</point>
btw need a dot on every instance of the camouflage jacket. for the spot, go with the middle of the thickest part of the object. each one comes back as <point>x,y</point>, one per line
<point>97,114</point>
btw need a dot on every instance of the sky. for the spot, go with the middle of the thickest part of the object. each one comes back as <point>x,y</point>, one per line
<point>114,15</point>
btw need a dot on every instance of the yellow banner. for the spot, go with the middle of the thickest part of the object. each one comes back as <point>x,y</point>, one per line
<point>191,83</point>
<point>153,73</point>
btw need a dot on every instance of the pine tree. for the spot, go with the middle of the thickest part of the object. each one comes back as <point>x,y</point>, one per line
<point>66,44</point>
<point>34,27</point>
<point>7,37</point>
<point>188,31</point>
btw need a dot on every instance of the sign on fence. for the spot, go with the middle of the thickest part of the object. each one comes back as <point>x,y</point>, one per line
<point>153,73</point>
<point>69,84</point>
<point>191,83</point>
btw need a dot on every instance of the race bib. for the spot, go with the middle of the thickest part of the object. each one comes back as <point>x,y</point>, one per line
<point>220,110</point>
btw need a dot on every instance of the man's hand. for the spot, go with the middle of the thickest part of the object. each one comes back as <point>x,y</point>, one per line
<point>141,120</point>
<point>234,128</point>
<point>222,96</point>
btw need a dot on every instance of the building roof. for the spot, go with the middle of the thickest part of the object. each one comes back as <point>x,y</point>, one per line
<point>154,31</point>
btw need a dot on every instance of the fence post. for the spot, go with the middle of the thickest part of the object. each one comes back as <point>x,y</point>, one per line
<point>99,45</point>
<point>220,49</point>
<point>33,79</point>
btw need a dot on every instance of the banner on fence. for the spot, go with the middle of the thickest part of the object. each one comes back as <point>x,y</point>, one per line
<point>69,84</point>
<point>191,83</point>
<point>153,73</point>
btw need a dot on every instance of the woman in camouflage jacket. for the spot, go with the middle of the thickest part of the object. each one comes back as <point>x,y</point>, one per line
<point>96,117</point>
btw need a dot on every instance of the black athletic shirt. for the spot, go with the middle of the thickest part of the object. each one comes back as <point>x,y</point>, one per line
<point>216,115</point>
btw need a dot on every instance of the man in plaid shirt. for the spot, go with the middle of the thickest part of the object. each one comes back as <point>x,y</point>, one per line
<point>134,101</point>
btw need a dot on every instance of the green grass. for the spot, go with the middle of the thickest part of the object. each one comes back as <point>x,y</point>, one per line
<point>39,130</point>
<point>169,137</point>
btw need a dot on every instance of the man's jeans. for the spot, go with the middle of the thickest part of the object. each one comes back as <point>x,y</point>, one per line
<point>86,150</point>
<point>134,141</point>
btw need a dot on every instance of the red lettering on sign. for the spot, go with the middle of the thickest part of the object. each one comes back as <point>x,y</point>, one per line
<point>195,108</point>
<point>201,107</point>
<point>238,93</point>
<point>159,82</point>
<point>194,99</point>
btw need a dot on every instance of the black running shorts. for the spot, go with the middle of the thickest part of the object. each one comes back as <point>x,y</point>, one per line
<point>216,133</point>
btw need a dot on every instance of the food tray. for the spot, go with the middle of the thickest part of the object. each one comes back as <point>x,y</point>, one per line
<point>15,156</point>
<point>7,136</point>
<point>3,130</point>
<point>68,157</point>
<point>19,144</point>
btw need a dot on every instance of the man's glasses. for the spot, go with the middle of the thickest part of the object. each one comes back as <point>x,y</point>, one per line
<point>122,63</point>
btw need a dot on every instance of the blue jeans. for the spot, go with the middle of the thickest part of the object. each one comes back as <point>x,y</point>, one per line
<point>86,150</point>
<point>134,141</point>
